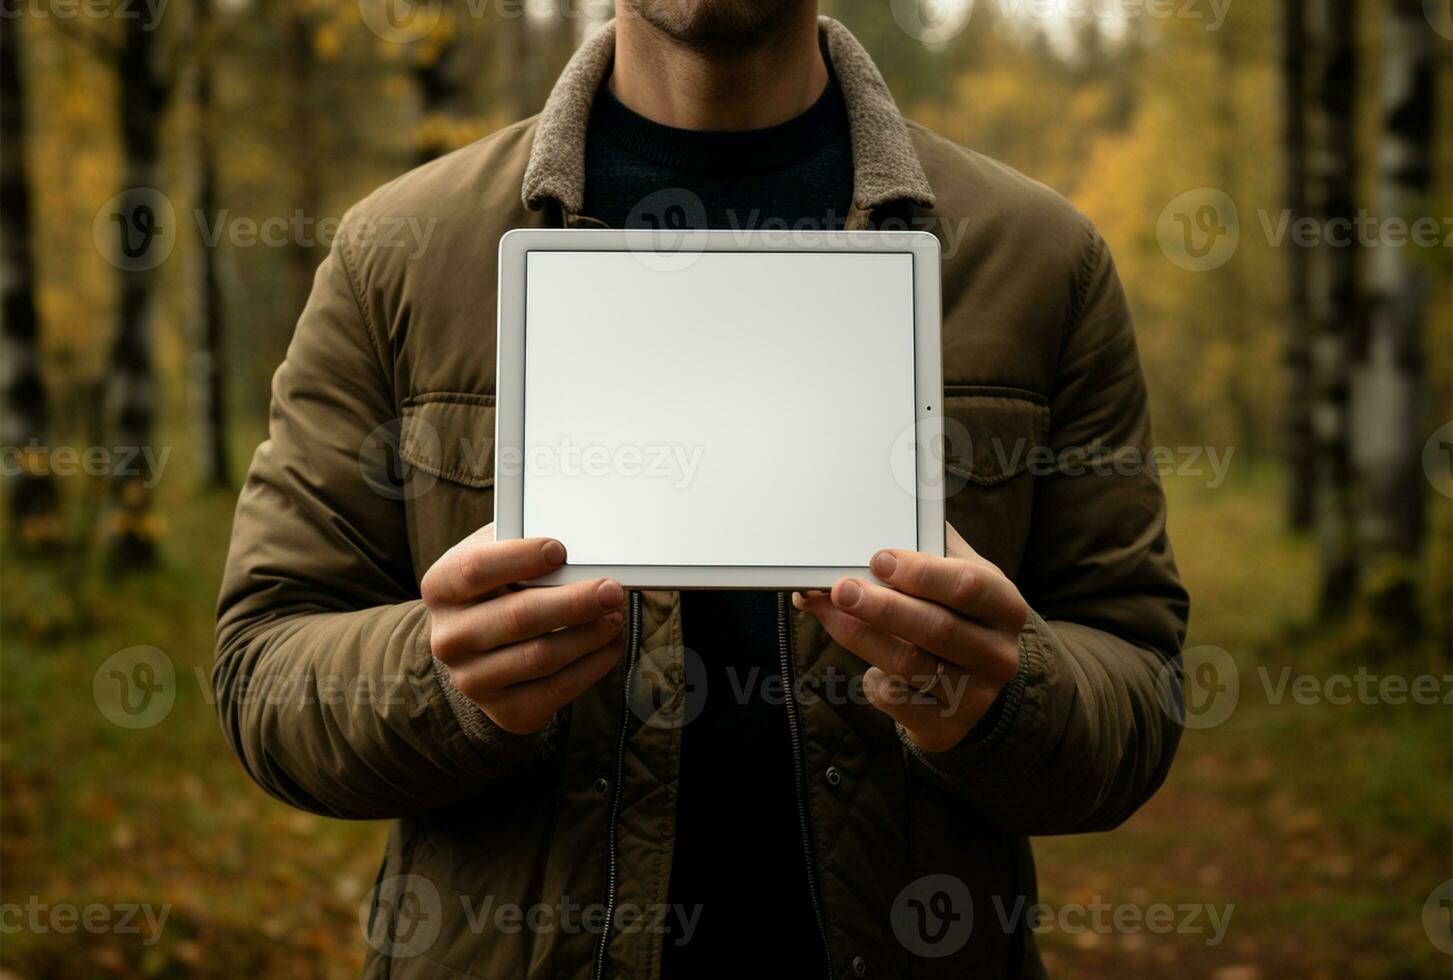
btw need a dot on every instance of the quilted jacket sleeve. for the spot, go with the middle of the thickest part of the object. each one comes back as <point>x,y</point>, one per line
<point>324,680</point>
<point>1088,729</point>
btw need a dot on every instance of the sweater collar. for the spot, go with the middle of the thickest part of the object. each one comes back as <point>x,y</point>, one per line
<point>885,165</point>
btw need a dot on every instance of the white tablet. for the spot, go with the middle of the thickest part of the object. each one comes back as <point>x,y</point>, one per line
<point>719,409</point>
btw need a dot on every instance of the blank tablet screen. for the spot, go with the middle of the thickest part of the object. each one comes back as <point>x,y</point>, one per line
<point>718,408</point>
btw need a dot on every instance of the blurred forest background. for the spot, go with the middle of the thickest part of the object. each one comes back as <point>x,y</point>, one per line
<point>1216,146</point>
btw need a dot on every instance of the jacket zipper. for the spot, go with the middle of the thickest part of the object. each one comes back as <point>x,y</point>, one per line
<point>799,768</point>
<point>632,652</point>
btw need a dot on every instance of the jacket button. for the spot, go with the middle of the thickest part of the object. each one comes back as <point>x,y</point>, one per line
<point>860,966</point>
<point>834,775</point>
<point>602,786</point>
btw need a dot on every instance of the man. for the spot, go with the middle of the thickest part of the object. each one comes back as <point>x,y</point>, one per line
<point>863,814</point>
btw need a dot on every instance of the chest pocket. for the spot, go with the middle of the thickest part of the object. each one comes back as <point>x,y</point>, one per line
<point>446,443</point>
<point>993,439</point>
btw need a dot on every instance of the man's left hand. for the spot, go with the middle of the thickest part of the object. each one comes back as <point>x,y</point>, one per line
<point>942,638</point>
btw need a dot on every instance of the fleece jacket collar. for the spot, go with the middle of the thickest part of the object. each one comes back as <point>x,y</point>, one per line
<point>885,166</point>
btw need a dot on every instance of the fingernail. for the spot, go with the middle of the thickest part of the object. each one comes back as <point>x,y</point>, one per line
<point>849,593</point>
<point>797,601</point>
<point>616,620</point>
<point>553,552</point>
<point>883,565</point>
<point>610,594</point>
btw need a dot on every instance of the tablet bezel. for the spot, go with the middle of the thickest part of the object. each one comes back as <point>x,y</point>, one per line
<point>514,247</point>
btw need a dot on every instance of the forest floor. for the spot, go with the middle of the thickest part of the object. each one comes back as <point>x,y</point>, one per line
<point>1298,837</point>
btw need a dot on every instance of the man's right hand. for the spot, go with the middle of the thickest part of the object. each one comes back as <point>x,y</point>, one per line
<point>520,654</point>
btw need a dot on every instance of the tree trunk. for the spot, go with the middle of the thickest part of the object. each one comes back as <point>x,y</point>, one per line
<point>1230,303</point>
<point>305,121</point>
<point>1298,431</point>
<point>33,497</point>
<point>441,91</point>
<point>530,49</point>
<point>1387,378</point>
<point>207,328</point>
<point>1336,302</point>
<point>516,71</point>
<point>131,394</point>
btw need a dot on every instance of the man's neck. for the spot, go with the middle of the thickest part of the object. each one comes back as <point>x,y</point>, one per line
<point>718,90</point>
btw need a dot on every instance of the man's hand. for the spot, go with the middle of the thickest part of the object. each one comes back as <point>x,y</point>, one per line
<point>520,654</point>
<point>959,612</point>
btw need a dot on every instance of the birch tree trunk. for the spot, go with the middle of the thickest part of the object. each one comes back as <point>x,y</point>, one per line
<point>1230,305</point>
<point>207,327</point>
<point>33,497</point>
<point>131,382</point>
<point>1388,380</point>
<point>1298,419</point>
<point>1336,302</point>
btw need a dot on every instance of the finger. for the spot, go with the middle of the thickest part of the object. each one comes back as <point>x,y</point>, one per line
<point>891,654</point>
<point>535,658</point>
<point>928,625</point>
<point>528,707</point>
<point>933,727</point>
<point>476,567</point>
<point>529,613</point>
<point>972,587</point>
<point>901,702</point>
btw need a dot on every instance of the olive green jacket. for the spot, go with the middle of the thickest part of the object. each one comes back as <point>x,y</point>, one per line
<point>509,852</point>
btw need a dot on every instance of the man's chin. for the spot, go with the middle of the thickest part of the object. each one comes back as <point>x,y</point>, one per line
<point>717,26</point>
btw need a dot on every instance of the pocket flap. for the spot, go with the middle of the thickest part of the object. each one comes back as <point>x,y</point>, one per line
<point>450,436</point>
<point>990,433</point>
